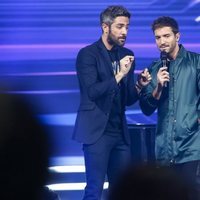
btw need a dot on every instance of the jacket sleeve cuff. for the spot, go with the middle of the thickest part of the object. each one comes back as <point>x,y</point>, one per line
<point>152,101</point>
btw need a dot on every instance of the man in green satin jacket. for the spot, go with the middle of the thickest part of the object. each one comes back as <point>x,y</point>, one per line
<point>175,93</point>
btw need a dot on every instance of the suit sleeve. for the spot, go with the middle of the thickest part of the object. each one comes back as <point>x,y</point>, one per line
<point>86,66</point>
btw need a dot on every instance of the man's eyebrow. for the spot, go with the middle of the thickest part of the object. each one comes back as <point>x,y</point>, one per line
<point>162,35</point>
<point>122,24</point>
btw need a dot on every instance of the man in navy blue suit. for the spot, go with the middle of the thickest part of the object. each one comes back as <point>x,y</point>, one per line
<point>105,71</point>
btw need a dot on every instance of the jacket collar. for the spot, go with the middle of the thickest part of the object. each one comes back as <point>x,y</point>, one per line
<point>181,52</point>
<point>103,47</point>
<point>180,56</point>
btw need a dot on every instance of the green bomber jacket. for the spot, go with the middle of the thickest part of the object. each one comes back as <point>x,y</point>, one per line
<point>178,109</point>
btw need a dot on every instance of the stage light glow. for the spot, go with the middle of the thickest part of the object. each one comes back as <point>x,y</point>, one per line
<point>197,19</point>
<point>68,169</point>
<point>71,186</point>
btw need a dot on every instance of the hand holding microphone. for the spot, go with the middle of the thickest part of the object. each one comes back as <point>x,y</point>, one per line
<point>162,77</point>
<point>163,74</point>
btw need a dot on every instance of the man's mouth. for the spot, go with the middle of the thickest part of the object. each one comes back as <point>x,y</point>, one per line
<point>164,47</point>
<point>122,39</point>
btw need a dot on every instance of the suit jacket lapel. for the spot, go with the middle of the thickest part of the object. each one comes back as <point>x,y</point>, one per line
<point>105,55</point>
<point>107,60</point>
<point>120,56</point>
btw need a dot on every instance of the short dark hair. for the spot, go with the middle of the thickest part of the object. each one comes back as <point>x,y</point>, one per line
<point>164,21</point>
<point>110,13</point>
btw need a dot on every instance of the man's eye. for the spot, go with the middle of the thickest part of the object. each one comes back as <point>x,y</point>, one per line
<point>119,27</point>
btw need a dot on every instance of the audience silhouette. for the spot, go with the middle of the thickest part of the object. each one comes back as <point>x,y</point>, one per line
<point>24,151</point>
<point>149,182</point>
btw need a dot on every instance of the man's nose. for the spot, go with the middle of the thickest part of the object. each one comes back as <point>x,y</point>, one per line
<point>124,31</point>
<point>162,40</point>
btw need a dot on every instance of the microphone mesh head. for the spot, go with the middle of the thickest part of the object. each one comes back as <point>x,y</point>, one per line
<point>163,55</point>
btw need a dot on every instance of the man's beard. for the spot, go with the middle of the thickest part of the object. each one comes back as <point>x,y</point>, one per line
<point>113,41</point>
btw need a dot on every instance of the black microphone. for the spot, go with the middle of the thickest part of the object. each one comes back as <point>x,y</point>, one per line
<point>163,56</point>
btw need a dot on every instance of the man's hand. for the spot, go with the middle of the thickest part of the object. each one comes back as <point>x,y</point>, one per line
<point>144,78</point>
<point>125,66</point>
<point>162,76</point>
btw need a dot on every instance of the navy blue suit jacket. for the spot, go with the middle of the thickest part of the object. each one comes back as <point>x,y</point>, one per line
<point>97,89</point>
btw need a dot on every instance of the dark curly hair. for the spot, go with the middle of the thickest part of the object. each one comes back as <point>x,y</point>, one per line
<point>165,21</point>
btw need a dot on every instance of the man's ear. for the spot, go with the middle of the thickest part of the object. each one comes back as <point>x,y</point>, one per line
<point>105,28</point>
<point>177,37</point>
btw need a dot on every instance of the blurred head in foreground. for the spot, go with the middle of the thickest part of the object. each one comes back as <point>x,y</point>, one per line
<point>149,182</point>
<point>23,150</point>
